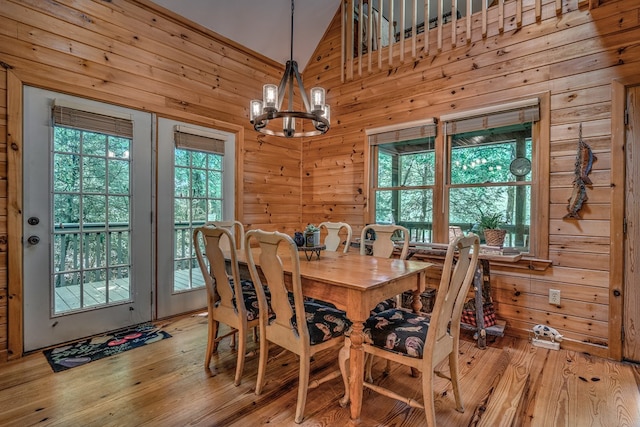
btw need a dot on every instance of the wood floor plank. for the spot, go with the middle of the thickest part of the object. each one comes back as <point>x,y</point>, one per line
<point>165,383</point>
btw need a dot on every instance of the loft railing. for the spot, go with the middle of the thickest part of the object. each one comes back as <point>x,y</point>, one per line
<point>372,37</point>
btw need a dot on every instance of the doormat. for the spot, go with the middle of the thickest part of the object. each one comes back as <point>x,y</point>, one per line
<point>82,352</point>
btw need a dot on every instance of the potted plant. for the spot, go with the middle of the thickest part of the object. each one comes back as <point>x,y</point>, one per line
<point>489,225</point>
<point>311,236</point>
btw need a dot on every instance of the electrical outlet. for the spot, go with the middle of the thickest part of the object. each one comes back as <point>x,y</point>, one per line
<point>554,296</point>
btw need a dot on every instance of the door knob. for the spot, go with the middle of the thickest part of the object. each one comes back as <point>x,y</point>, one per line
<point>33,240</point>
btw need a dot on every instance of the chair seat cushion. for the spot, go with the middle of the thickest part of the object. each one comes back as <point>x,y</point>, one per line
<point>397,330</point>
<point>250,302</point>
<point>383,305</point>
<point>324,322</point>
<point>250,299</point>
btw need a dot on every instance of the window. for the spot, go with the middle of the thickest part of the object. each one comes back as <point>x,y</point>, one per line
<point>489,167</point>
<point>404,177</point>
<point>489,171</point>
<point>198,197</point>
<point>91,208</point>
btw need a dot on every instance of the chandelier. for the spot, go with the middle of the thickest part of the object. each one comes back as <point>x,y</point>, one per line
<point>269,109</point>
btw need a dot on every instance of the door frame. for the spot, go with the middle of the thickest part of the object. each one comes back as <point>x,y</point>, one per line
<point>15,82</point>
<point>617,243</point>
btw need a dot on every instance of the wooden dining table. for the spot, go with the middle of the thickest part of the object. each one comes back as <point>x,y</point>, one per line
<point>356,283</point>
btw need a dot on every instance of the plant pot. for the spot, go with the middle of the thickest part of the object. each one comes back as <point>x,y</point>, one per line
<point>312,238</point>
<point>494,236</point>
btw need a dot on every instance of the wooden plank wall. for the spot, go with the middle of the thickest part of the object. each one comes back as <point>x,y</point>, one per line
<point>573,56</point>
<point>3,210</point>
<point>124,52</point>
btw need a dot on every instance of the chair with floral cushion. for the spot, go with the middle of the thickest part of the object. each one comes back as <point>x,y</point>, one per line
<point>302,327</point>
<point>332,241</point>
<point>222,288</point>
<point>421,343</point>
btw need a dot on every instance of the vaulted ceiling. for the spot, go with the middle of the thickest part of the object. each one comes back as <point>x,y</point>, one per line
<point>263,26</point>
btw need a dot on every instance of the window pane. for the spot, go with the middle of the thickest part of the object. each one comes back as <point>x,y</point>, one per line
<point>119,147</point>
<point>93,249</point>
<point>417,169</point>
<point>66,140</point>
<point>199,159</point>
<point>198,182</point>
<point>118,210</point>
<point>66,254</point>
<point>118,176</point>
<point>215,161</point>
<point>485,156</point>
<point>66,168</point>
<point>94,144</point>
<point>512,203</point>
<point>119,248</point>
<point>66,209</point>
<point>93,173</point>
<point>182,211</point>
<point>182,157</point>
<point>215,210</point>
<point>215,185</point>
<point>412,209</point>
<point>182,182</point>
<point>94,209</point>
<point>406,163</point>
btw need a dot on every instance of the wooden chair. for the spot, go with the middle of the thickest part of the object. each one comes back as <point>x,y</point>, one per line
<point>302,327</point>
<point>222,289</point>
<point>421,343</point>
<point>237,230</point>
<point>332,241</point>
<point>383,244</point>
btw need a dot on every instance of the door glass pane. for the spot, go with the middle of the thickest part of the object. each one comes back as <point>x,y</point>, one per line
<point>198,198</point>
<point>91,217</point>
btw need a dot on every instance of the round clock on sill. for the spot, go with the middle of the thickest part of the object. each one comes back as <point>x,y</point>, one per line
<point>520,166</point>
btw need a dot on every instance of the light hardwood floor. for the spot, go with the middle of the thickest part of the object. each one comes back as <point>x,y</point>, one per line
<point>510,383</point>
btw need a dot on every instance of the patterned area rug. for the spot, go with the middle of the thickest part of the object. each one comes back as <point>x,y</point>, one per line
<point>80,353</point>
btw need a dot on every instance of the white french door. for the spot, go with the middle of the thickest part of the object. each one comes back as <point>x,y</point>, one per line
<point>87,197</point>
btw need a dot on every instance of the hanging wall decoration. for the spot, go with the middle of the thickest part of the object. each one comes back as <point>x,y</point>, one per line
<point>584,163</point>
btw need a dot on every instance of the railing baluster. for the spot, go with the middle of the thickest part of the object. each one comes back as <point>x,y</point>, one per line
<point>392,36</point>
<point>414,27</point>
<point>427,17</point>
<point>380,18</point>
<point>342,40</point>
<point>484,19</point>
<point>359,41</point>
<point>519,13</point>
<point>402,29</point>
<point>370,35</point>
<point>538,10</point>
<point>440,23</point>
<point>501,16</point>
<point>469,13</point>
<point>454,22</point>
